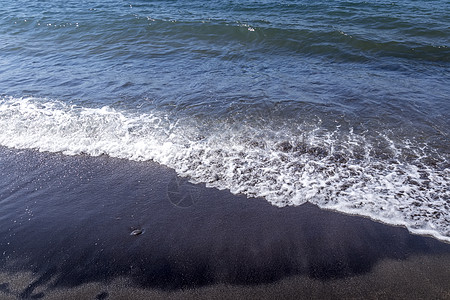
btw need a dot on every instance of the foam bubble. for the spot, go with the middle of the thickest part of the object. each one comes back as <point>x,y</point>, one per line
<point>396,182</point>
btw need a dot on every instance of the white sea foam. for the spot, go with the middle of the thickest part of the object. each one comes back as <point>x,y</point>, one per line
<point>392,182</point>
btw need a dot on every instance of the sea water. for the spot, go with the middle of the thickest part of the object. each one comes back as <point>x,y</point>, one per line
<point>343,104</point>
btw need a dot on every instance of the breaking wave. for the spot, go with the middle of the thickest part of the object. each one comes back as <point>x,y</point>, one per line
<point>399,182</point>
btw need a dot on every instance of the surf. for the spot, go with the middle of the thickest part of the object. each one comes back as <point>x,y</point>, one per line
<point>398,182</point>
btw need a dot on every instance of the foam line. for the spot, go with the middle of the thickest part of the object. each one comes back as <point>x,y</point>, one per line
<point>390,181</point>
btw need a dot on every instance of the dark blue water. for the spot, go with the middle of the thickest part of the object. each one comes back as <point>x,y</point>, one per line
<point>344,104</point>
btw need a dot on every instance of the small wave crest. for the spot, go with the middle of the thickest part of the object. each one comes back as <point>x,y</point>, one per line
<point>396,182</point>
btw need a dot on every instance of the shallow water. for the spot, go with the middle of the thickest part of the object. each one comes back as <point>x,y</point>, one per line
<point>343,104</point>
<point>72,225</point>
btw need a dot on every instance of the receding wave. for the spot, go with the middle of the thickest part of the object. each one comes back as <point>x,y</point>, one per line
<point>396,182</point>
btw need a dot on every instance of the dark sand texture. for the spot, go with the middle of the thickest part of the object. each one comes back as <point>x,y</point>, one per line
<point>66,224</point>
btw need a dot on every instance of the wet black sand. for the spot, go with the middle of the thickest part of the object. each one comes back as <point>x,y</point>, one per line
<point>66,224</point>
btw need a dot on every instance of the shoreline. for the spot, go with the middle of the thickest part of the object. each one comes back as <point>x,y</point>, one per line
<point>67,220</point>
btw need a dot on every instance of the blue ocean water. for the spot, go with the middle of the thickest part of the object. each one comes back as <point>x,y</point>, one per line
<point>344,104</point>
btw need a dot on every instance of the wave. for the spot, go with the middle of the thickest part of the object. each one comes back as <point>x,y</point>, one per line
<point>224,37</point>
<point>282,39</point>
<point>397,182</point>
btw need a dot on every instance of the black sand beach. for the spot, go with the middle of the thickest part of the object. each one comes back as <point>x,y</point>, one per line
<point>67,224</point>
